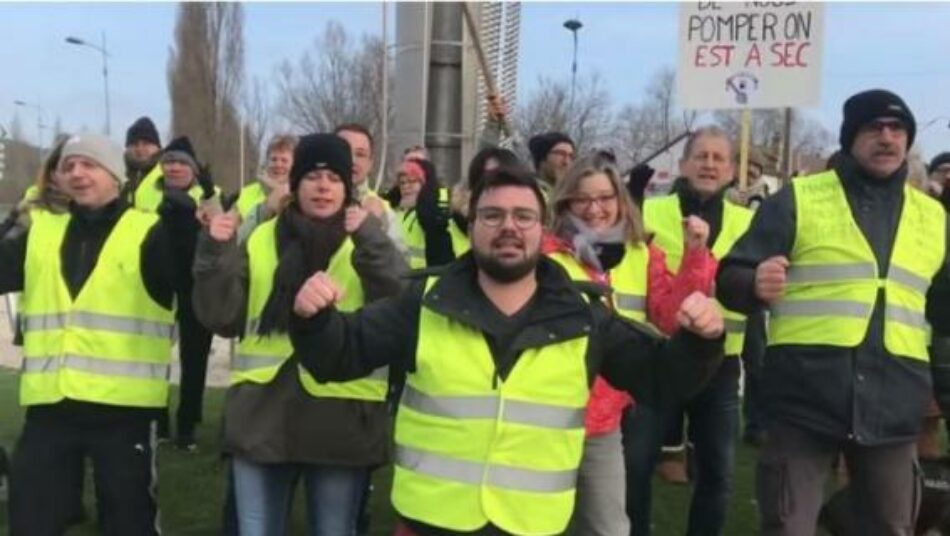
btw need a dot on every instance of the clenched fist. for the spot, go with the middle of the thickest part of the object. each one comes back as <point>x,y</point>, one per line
<point>700,314</point>
<point>375,206</point>
<point>316,294</point>
<point>353,218</point>
<point>695,232</point>
<point>224,226</point>
<point>770,277</point>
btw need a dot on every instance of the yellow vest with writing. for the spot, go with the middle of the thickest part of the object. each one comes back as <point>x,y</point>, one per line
<point>833,280</point>
<point>258,358</point>
<point>663,217</point>
<point>109,345</point>
<point>472,449</point>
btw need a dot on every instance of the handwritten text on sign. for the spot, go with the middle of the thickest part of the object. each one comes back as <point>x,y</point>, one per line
<point>750,54</point>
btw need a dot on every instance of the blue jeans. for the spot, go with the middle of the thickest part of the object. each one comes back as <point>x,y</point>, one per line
<point>713,428</point>
<point>264,495</point>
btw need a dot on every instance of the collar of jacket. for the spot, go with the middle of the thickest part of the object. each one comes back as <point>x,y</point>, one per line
<point>109,212</point>
<point>855,178</point>
<point>558,309</point>
<point>692,203</point>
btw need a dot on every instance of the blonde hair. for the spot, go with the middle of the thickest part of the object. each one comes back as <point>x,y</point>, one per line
<point>566,189</point>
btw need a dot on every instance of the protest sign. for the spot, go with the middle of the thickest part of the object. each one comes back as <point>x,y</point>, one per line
<point>750,54</point>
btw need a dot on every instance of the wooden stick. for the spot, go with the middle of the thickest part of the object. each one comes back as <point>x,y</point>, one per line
<point>483,62</point>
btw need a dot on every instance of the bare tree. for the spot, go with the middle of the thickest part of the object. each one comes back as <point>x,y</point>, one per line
<point>809,137</point>
<point>650,125</point>
<point>337,81</point>
<point>549,108</point>
<point>257,111</point>
<point>205,79</point>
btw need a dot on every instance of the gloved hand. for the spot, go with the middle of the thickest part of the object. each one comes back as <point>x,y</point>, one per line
<point>206,182</point>
<point>640,176</point>
<point>433,212</point>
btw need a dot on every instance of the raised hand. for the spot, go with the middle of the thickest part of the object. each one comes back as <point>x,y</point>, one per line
<point>770,278</point>
<point>701,315</point>
<point>316,294</point>
<point>354,217</point>
<point>695,232</point>
<point>223,227</point>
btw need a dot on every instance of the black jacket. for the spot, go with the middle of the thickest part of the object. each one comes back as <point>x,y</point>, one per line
<point>863,393</point>
<point>336,346</point>
<point>164,269</point>
<point>710,210</point>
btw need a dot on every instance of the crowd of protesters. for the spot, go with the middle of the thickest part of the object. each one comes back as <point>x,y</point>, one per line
<point>527,345</point>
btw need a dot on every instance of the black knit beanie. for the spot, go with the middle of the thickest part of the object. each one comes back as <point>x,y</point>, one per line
<point>864,107</point>
<point>180,150</point>
<point>939,160</point>
<point>542,144</point>
<point>323,151</point>
<point>142,129</point>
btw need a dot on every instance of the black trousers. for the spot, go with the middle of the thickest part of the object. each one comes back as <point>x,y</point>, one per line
<point>47,468</point>
<point>194,347</point>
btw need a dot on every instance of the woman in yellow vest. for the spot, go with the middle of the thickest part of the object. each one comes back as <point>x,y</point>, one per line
<point>280,425</point>
<point>597,235</point>
<point>422,206</point>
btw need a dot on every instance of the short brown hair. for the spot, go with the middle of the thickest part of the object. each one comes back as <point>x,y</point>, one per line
<point>506,177</point>
<point>281,142</point>
<point>356,127</point>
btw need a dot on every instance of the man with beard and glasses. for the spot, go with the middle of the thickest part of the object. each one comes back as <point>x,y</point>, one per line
<point>852,264</point>
<point>499,351</point>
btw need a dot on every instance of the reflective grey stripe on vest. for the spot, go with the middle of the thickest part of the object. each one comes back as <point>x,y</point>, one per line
<point>95,365</point>
<point>380,374</point>
<point>251,327</point>
<point>417,252</point>
<point>905,277</point>
<point>246,362</point>
<point>821,308</point>
<point>816,273</point>
<point>902,315</point>
<point>100,322</point>
<point>476,474</point>
<point>486,407</point>
<point>632,302</point>
<point>734,326</point>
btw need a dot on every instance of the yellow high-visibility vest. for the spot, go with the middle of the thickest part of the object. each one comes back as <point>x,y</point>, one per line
<point>663,217</point>
<point>833,280</point>
<point>149,194</point>
<point>251,195</point>
<point>259,358</point>
<point>472,449</point>
<point>629,279</point>
<point>112,343</point>
<point>415,239</point>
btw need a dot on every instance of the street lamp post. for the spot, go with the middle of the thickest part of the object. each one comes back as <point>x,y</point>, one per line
<point>105,71</point>
<point>39,124</point>
<point>573,25</point>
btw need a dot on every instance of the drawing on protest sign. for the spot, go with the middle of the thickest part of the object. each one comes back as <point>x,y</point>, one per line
<point>750,54</point>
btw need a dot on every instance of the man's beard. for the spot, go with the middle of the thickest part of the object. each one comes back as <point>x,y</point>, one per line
<point>505,272</point>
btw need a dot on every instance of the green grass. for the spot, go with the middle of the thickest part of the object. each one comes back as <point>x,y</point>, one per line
<point>191,486</point>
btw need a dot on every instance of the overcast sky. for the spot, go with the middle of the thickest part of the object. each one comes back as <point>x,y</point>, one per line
<point>900,46</point>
